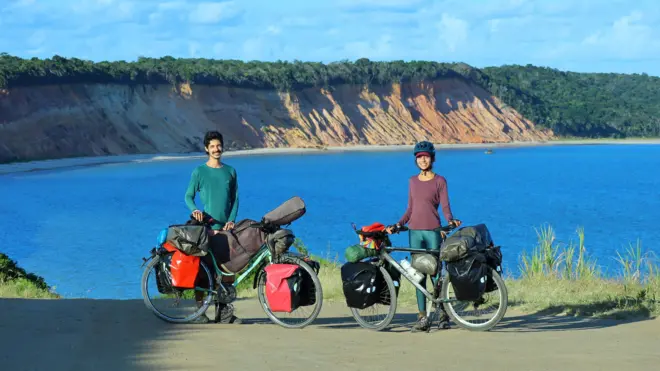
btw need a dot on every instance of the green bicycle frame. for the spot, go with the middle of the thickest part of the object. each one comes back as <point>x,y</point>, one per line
<point>255,261</point>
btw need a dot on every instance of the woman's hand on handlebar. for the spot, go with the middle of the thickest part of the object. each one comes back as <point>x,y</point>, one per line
<point>455,223</point>
<point>395,228</point>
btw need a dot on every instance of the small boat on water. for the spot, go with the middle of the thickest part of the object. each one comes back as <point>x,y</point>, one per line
<point>489,151</point>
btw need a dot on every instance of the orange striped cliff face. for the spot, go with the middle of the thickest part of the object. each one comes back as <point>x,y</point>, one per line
<point>54,121</point>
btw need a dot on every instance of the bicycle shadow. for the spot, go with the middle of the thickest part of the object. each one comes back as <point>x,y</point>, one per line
<point>402,322</point>
<point>571,318</point>
<point>557,318</point>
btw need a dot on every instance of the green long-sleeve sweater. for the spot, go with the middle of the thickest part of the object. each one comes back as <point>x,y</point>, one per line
<point>218,191</point>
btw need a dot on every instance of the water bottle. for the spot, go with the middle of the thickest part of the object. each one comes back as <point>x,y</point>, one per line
<point>414,273</point>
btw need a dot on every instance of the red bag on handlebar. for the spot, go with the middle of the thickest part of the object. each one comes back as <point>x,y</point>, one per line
<point>372,243</point>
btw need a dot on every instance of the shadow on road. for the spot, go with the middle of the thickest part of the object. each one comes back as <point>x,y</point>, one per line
<point>553,319</point>
<point>571,317</point>
<point>78,334</point>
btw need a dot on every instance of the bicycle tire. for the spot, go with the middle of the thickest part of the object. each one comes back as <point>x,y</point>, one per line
<point>393,304</point>
<point>145,296</point>
<point>504,300</point>
<point>318,293</point>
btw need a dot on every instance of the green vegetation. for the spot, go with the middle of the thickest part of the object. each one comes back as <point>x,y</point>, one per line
<point>554,279</point>
<point>581,104</point>
<point>15,282</point>
<point>572,104</point>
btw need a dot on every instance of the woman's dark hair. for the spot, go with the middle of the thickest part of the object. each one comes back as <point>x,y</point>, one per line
<point>213,135</point>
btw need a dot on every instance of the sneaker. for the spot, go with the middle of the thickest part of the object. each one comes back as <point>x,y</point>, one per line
<point>224,313</point>
<point>422,324</point>
<point>443,323</point>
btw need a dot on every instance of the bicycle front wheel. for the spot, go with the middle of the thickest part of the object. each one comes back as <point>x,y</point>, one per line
<point>173,304</point>
<point>379,315</point>
<point>478,315</point>
<point>311,298</point>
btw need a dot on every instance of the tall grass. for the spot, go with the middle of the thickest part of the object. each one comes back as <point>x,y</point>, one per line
<point>563,278</point>
<point>552,259</point>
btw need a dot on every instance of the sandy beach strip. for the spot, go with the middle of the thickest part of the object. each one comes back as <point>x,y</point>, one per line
<point>63,163</point>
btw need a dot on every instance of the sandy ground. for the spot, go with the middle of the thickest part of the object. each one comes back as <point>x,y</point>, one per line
<point>104,335</point>
<point>100,160</point>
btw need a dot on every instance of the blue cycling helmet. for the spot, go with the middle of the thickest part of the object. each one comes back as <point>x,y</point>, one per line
<point>424,147</point>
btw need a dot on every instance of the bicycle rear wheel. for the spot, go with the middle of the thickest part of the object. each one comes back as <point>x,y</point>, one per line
<point>303,315</point>
<point>388,298</point>
<point>459,311</point>
<point>169,303</point>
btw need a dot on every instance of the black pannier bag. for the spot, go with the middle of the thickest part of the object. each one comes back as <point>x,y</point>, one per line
<point>384,296</point>
<point>360,283</point>
<point>190,239</point>
<point>286,213</point>
<point>468,277</point>
<point>307,288</point>
<point>494,260</point>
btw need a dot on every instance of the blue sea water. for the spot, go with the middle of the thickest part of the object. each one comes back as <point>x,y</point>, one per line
<point>85,230</point>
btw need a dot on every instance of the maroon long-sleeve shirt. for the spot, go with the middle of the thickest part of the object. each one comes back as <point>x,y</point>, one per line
<point>423,200</point>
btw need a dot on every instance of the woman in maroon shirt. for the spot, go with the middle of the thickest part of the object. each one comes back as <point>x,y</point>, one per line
<point>426,192</point>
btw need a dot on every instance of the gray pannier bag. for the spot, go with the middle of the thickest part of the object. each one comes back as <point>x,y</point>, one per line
<point>281,240</point>
<point>290,210</point>
<point>190,239</point>
<point>479,232</point>
<point>456,247</point>
<point>466,241</point>
<point>425,263</point>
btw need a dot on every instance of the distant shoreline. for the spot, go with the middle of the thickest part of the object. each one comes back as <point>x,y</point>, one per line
<point>64,163</point>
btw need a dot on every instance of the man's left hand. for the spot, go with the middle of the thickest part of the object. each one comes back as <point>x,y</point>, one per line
<point>228,226</point>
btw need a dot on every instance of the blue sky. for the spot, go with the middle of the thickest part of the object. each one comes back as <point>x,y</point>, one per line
<point>580,35</point>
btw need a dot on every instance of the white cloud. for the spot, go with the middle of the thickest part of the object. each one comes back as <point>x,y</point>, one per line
<point>171,5</point>
<point>628,37</point>
<point>493,24</point>
<point>213,12</point>
<point>218,49</point>
<point>273,30</point>
<point>379,49</point>
<point>193,48</point>
<point>453,31</point>
<point>37,38</point>
<point>380,3</point>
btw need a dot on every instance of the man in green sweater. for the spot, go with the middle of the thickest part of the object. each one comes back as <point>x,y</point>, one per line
<point>217,186</point>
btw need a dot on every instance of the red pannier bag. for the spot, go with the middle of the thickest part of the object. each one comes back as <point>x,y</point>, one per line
<point>183,268</point>
<point>283,283</point>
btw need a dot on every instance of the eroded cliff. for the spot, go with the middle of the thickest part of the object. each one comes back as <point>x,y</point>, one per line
<point>54,121</point>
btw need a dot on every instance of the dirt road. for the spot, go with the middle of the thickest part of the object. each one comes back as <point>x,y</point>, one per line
<point>122,335</point>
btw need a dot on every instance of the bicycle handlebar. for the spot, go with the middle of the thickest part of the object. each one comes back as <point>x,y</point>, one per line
<point>397,229</point>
